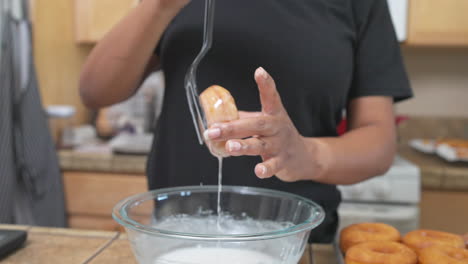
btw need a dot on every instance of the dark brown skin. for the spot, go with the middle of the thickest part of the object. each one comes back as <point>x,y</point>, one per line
<point>124,56</point>
<point>119,62</point>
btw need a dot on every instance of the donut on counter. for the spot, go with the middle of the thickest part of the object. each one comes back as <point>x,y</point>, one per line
<point>443,254</point>
<point>363,232</point>
<point>419,239</point>
<point>381,252</point>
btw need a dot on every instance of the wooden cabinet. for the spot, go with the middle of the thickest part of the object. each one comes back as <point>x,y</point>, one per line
<point>445,211</point>
<point>438,23</point>
<point>94,18</point>
<point>57,58</point>
<point>90,197</point>
<point>431,22</point>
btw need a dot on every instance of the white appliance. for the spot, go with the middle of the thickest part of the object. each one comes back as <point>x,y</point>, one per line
<point>392,198</point>
<point>399,13</point>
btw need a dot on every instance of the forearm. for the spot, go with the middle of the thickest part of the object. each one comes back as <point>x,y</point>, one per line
<point>356,156</point>
<point>116,65</point>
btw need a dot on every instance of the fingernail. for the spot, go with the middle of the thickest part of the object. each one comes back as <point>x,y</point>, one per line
<point>234,146</point>
<point>262,73</point>
<point>212,133</point>
<point>262,170</point>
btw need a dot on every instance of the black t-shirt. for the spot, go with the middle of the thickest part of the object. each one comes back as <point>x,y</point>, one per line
<point>321,53</point>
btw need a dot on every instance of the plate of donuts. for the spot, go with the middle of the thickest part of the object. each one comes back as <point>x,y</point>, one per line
<point>449,149</point>
<point>379,243</point>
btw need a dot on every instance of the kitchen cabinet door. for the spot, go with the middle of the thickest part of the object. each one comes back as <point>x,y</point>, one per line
<point>438,23</point>
<point>90,198</point>
<point>445,210</point>
<point>97,193</point>
<point>94,18</point>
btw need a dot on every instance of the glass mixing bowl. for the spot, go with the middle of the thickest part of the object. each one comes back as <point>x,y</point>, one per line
<point>182,225</point>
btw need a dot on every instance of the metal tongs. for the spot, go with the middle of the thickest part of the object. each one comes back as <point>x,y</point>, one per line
<point>198,116</point>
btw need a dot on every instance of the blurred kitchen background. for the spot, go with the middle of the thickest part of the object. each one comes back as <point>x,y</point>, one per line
<point>102,154</point>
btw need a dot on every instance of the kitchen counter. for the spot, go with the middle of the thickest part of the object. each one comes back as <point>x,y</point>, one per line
<point>436,173</point>
<point>53,245</point>
<point>108,163</point>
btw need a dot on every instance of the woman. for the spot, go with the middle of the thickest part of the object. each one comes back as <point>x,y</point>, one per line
<point>322,57</point>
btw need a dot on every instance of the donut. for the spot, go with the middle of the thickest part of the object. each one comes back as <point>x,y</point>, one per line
<point>453,142</point>
<point>419,239</point>
<point>219,106</point>
<point>443,254</point>
<point>363,232</point>
<point>380,252</point>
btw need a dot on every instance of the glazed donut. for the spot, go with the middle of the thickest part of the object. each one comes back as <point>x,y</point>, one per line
<point>219,106</point>
<point>443,254</point>
<point>381,252</point>
<point>363,232</point>
<point>420,239</point>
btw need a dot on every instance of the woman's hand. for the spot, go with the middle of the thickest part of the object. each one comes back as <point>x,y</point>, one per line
<point>366,150</point>
<point>270,134</point>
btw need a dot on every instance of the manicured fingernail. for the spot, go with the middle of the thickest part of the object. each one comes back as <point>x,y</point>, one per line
<point>262,170</point>
<point>262,73</point>
<point>234,146</point>
<point>212,133</point>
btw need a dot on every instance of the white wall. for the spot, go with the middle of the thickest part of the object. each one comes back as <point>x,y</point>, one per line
<point>439,77</point>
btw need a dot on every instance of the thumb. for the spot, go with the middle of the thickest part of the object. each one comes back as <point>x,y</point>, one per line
<point>269,97</point>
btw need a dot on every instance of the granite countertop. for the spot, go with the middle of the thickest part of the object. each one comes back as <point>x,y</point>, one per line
<point>53,245</point>
<point>436,174</point>
<point>109,163</point>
